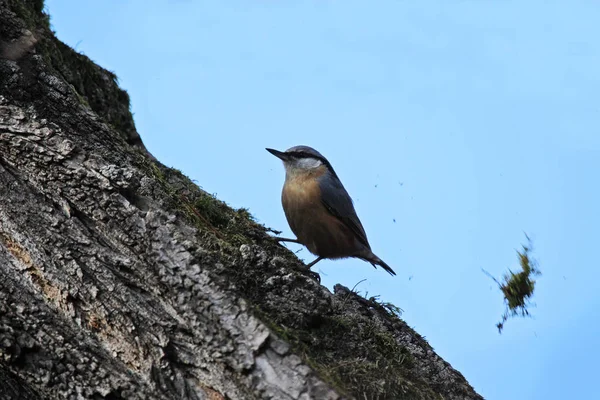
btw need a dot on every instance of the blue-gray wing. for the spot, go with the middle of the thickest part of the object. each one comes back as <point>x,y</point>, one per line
<point>339,204</point>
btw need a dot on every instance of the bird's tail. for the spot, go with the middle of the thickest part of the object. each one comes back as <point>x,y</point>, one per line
<point>375,261</point>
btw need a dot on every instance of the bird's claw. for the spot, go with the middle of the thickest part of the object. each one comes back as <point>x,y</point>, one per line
<point>314,275</point>
<point>281,239</point>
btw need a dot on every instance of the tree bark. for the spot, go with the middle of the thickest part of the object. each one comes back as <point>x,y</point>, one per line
<point>121,279</point>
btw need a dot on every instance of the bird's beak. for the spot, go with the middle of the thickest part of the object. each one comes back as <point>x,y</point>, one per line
<point>279,154</point>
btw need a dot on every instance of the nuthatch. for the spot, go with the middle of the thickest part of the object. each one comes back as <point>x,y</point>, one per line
<point>319,210</point>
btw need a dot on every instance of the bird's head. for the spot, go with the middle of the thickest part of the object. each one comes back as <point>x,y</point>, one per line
<point>301,159</point>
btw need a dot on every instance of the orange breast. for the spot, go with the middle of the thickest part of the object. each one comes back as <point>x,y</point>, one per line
<point>322,233</point>
<point>301,197</point>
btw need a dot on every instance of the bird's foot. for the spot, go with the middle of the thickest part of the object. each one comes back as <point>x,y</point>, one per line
<point>314,275</point>
<point>309,266</point>
<point>279,239</point>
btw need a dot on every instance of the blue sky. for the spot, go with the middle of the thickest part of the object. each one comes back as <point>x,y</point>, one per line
<point>455,125</point>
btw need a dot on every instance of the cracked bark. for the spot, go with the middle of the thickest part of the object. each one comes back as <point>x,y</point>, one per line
<point>109,290</point>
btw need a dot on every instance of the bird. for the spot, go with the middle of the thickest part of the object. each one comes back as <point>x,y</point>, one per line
<point>319,210</point>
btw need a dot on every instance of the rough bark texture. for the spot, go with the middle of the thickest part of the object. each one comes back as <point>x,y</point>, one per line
<point>120,279</point>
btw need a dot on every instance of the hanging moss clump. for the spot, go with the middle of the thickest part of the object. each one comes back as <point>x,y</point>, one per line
<point>518,288</point>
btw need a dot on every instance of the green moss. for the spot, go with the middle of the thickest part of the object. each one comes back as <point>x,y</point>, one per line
<point>209,215</point>
<point>245,213</point>
<point>518,288</point>
<point>381,368</point>
<point>32,13</point>
<point>95,86</point>
<point>214,210</point>
<point>38,6</point>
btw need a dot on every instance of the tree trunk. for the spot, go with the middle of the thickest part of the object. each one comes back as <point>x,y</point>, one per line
<point>121,279</point>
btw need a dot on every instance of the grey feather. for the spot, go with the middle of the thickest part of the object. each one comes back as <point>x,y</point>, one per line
<point>339,203</point>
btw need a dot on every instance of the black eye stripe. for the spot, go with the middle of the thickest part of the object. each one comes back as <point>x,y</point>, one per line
<point>301,154</point>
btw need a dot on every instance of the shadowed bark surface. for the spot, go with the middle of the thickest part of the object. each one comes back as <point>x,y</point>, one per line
<point>121,279</point>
